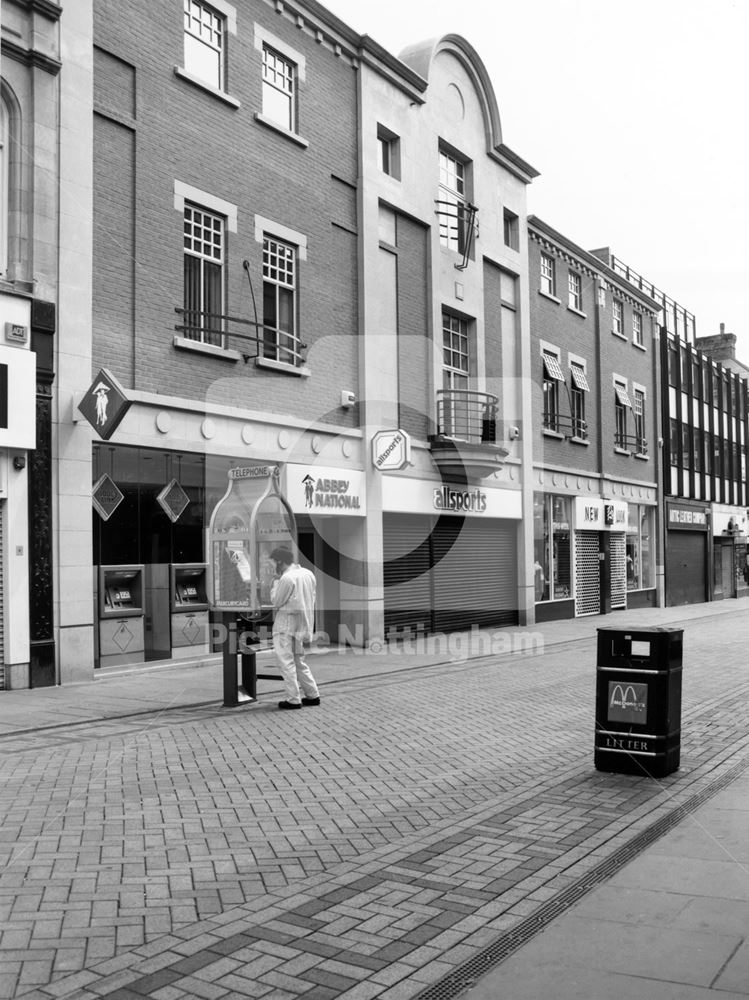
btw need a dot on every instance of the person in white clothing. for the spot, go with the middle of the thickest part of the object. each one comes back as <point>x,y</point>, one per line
<point>293,598</point>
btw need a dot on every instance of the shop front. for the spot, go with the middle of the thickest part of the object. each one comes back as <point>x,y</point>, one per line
<point>729,556</point>
<point>17,437</point>
<point>450,556</point>
<point>687,538</point>
<point>591,555</point>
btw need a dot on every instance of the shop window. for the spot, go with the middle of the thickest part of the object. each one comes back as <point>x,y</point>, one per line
<point>640,555</point>
<point>552,547</point>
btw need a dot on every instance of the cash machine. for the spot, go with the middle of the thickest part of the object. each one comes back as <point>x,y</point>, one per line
<point>189,608</point>
<point>121,614</point>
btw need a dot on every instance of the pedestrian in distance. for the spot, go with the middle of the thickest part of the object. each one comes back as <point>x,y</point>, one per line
<point>293,598</point>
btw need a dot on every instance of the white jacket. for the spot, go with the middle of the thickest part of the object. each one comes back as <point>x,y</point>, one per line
<point>293,597</point>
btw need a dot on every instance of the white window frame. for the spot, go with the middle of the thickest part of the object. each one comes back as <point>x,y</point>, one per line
<point>575,291</point>
<point>266,41</point>
<point>227,15</point>
<point>210,228</point>
<point>637,329</point>
<point>453,188</point>
<point>278,357</point>
<point>186,194</point>
<point>547,275</point>
<point>617,307</point>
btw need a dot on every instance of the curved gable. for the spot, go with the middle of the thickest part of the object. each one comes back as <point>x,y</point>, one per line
<point>421,58</point>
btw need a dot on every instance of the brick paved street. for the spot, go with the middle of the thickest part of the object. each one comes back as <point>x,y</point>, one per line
<point>372,847</point>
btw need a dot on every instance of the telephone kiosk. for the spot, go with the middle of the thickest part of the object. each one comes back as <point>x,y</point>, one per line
<point>189,609</point>
<point>121,615</point>
<point>252,518</point>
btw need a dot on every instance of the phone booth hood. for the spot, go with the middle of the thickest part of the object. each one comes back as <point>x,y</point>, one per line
<point>251,519</point>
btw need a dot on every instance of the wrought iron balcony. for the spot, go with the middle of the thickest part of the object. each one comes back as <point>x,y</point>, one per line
<point>251,339</point>
<point>631,442</point>
<point>468,440</point>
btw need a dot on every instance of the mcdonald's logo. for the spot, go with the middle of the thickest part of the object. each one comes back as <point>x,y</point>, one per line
<point>627,702</point>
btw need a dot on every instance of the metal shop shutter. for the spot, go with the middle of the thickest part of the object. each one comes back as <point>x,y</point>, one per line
<point>406,552</point>
<point>685,568</point>
<point>475,581</point>
<point>587,574</point>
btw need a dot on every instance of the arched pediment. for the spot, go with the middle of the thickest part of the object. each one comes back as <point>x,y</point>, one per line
<point>421,57</point>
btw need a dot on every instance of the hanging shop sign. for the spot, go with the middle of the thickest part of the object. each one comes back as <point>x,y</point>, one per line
<point>318,489</point>
<point>688,518</point>
<point>391,450</point>
<point>595,514</point>
<point>106,497</point>
<point>173,500</point>
<point>729,521</point>
<point>104,404</point>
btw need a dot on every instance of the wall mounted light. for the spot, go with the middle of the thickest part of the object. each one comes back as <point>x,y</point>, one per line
<point>19,462</point>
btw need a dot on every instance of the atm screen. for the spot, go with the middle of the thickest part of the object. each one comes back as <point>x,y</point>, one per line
<point>122,595</point>
<point>191,591</point>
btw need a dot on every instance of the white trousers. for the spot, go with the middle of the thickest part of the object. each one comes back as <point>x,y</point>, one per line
<point>294,670</point>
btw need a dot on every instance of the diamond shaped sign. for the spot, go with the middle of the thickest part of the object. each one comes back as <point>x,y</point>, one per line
<point>104,404</point>
<point>106,497</point>
<point>173,500</point>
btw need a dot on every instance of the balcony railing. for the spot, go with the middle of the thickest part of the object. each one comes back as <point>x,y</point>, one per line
<point>631,442</point>
<point>250,338</point>
<point>464,415</point>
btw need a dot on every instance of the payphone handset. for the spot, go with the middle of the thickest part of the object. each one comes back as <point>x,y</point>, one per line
<point>250,520</point>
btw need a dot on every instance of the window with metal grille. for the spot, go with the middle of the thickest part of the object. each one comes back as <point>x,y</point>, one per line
<point>548,275</point>
<point>204,43</point>
<point>456,367</point>
<point>452,203</point>
<point>204,275</point>
<point>280,335</point>
<point>575,287</point>
<point>279,78</point>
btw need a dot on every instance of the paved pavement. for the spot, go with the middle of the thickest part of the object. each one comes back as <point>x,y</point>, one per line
<point>434,829</point>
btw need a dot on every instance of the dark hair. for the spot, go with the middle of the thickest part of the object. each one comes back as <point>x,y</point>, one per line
<point>282,555</point>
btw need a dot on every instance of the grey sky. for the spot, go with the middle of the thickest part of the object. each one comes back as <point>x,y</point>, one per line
<point>634,114</point>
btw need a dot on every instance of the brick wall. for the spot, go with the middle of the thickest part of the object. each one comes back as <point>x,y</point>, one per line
<point>183,132</point>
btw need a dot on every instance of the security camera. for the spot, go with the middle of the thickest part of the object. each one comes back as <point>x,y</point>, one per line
<point>513,433</point>
<point>348,399</point>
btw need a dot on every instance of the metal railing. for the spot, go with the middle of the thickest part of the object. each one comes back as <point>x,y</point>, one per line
<point>221,331</point>
<point>465,415</point>
<point>631,442</point>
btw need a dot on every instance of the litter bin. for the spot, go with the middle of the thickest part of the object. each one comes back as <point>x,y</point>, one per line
<point>638,701</point>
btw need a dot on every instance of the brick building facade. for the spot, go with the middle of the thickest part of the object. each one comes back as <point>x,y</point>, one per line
<point>594,357</point>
